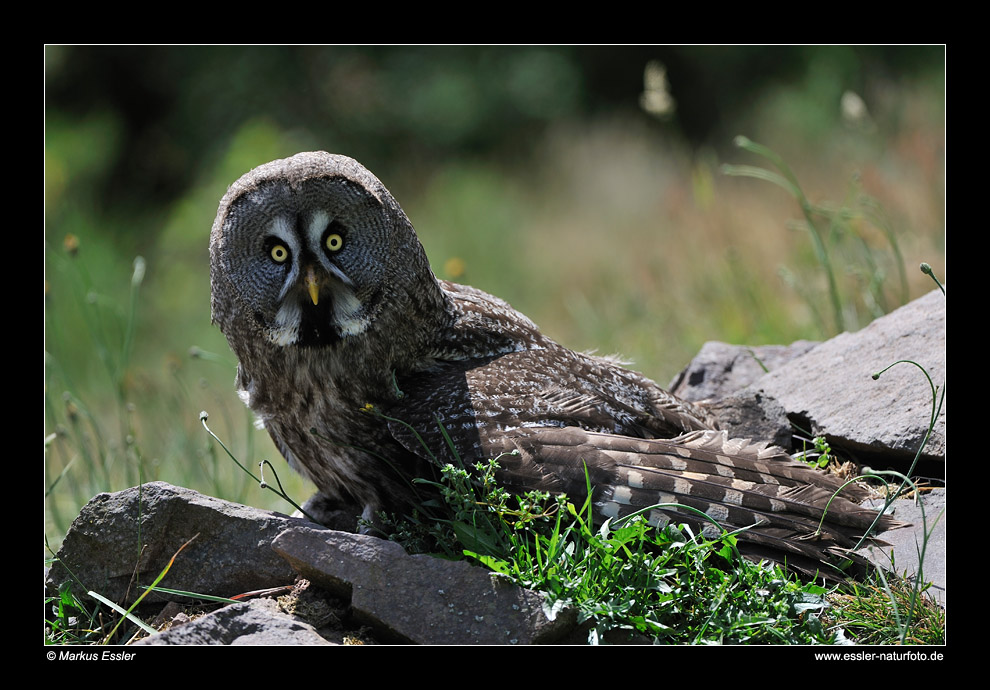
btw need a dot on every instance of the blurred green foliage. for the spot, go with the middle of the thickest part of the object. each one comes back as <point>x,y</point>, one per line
<point>529,171</point>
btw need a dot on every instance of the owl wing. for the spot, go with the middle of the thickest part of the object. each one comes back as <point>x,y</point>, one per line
<point>784,509</point>
<point>550,433</point>
<point>472,403</point>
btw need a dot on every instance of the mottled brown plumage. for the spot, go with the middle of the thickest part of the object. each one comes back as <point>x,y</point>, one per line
<point>354,357</point>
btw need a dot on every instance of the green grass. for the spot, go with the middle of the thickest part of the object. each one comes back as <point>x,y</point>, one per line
<point>872,613</point>
<point>630,580</point>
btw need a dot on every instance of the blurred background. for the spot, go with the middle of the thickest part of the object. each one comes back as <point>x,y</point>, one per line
<point>584,184</point>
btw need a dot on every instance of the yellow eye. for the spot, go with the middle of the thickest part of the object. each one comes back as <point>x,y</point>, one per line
<point>334,242</point>
<point>279,253</point>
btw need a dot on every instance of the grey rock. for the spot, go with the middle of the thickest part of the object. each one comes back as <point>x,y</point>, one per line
<point>419,598</point>
<point>905,545</point>
<point>720,370</point>
<point>831,386</point>
<point>828,389</point>
<point>238,549</point>
<point>720,375</point>
<point>258,622</point>
<point>123,539</point>
<point>753,416</point>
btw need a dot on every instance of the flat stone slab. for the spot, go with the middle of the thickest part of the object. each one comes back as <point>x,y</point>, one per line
<point>832,385</point>
<point>420,598</point>
<point>258,623</point>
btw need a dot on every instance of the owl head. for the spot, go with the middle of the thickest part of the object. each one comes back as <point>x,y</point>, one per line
<point>310,250</point>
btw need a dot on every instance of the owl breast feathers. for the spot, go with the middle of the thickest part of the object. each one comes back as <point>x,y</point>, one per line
<point>361,365</point>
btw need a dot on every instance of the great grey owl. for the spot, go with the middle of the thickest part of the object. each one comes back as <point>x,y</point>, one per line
<point>366,370</point>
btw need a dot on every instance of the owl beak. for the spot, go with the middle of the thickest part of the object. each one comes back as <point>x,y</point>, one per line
<point>312,285</point>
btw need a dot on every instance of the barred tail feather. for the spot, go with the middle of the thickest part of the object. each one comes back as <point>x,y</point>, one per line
<point>785,509</point>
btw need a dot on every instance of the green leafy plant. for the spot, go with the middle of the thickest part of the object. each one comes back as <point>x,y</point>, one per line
<point>70,620</point>
<point>820,455</point>
<point>627,578</point>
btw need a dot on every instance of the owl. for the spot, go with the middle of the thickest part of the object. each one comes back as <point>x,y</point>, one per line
<point>368,372</point>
